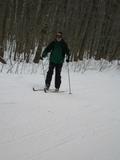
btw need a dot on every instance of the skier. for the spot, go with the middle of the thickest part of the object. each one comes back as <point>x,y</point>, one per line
<point>58,48</point>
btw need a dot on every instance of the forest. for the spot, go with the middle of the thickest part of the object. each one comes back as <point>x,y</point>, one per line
<point>90,27</point>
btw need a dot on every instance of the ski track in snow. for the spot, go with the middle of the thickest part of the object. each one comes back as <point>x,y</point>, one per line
<point>44,126</point>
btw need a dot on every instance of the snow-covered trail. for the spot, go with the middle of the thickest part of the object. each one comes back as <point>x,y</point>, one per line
<point>60,126</point>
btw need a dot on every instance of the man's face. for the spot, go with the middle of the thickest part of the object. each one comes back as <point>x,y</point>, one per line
<point>58,36</point>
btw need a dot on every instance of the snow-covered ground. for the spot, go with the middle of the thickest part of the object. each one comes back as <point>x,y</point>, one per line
<point>84,125</point>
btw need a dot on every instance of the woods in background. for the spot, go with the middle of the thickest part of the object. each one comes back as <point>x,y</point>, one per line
<point>91,27</point>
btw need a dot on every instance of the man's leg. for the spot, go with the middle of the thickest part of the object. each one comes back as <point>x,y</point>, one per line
<point>58,69</point>
<point>49,75</point>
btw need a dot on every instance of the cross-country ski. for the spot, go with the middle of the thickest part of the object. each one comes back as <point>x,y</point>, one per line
<point>47,91</point>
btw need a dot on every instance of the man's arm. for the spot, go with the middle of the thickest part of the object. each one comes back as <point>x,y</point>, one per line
<point>2,60</point>
<point>48,49</point>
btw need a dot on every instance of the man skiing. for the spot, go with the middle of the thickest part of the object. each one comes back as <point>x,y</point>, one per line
<point>58,48</point>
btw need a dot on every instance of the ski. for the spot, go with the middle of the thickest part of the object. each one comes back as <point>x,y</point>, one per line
<point>47,91</point>
<point>39,89</point>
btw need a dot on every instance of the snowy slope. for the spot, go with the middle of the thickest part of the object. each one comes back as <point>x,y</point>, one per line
<point>60,126</point>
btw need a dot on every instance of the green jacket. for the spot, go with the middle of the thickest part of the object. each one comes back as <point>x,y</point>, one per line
<point>58,50</point>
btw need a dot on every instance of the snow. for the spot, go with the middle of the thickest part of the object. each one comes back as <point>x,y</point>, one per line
<point>60,126</point>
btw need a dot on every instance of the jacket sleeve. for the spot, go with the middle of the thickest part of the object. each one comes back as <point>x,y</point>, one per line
<point>48,49</point>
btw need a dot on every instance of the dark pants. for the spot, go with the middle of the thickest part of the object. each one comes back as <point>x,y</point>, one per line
<point>58,68</point>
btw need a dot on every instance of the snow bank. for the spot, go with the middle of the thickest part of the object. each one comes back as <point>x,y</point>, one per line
<point>38,126</point>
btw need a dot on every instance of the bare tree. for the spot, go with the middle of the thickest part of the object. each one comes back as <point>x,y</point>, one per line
<point>91,27</point>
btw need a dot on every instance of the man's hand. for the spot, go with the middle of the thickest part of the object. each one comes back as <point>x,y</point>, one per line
<point>67,60</point>
<point>41,58</point>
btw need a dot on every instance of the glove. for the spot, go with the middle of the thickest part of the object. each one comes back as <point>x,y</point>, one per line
<point>67,60</point>
<point>41,58</point>
<point>36,60</point>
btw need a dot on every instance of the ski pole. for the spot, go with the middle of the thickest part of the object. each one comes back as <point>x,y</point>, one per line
<point>43,70</point>
<point>69,80</point>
